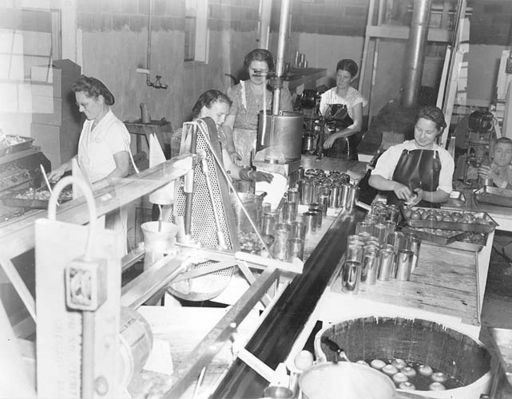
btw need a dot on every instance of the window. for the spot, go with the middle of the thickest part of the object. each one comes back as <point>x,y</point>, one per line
<point>196,30</point>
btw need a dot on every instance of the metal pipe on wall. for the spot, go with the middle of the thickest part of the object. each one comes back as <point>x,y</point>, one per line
<point>265,14</point>
<point>416,51</point>
<point>283,30</point>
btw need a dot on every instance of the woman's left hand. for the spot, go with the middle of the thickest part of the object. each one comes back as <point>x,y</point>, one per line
<point>261,176</point>
<point>329,141</point>
<point>417,197</point>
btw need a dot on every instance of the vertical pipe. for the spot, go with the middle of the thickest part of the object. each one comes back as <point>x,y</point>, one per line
<point>416,50</point>
<point>265,14</point>
<point>283,30</point>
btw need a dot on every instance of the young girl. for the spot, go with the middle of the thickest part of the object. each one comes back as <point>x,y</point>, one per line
<point>500,170</point>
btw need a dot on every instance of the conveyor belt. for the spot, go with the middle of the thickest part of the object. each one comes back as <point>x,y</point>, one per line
<point>274,339</point>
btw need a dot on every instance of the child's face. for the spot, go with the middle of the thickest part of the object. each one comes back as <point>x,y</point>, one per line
<point>503,154</point>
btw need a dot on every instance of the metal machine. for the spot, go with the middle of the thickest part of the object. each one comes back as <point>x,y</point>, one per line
<point>19,169</point>
<point>480,136</point>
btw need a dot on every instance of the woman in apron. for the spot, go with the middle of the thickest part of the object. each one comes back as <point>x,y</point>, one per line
<point>249,98</point>
<point>342,108</point>
<point>418,172</point>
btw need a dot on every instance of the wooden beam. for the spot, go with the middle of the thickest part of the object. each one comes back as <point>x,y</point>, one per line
<point>17,235</point>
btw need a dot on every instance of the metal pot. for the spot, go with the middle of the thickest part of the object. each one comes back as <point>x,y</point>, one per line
<point>345,380</point>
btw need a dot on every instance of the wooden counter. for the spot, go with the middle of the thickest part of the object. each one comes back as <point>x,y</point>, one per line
<point>441,284</point>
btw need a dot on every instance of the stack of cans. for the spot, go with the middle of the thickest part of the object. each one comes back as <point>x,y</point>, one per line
<point>377,252</point>
<point>329,189</point>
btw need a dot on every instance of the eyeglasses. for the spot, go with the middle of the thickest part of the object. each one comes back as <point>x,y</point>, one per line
<point>259,72</point>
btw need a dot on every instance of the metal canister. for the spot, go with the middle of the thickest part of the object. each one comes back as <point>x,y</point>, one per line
<point>280,246</point>
<point>268,223</point>
<point>355,252</point>
<point>334,198</point>
<point>298,230</point>
<point>317,209</point>
<point>352,196</point>
<point>397,240</point>
<point>344,194</point>
<point>414,244</point>
<point>386,264</point>
<point>350,277</point>
<point>404,261</point>
<point>309,219</point>
<point>306,189</point>
<point>295,249</point>
<point>288,212</point>
<point>380,232</point>
<point>370,265</point>
<point>324,200</point>
<point>393,213</point>
<point>293,195</point>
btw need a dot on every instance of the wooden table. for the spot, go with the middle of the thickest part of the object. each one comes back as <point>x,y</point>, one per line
<point>161,129</point>
<point>443,288</point>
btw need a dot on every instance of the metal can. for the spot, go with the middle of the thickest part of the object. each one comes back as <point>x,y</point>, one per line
<point>295,249</point>
<point>280,247</point>
<point>352,196</point>
<point>404,265</point>
<point>288,212</point>
<point>268,223</point>
<point>355,252</point>
<point>309,219</point>
<point>414,244</point>
<point>350,277</point>
<point>306,188</point>
<point>380,232</point>
<point>318,217</point>
<point>334,198</point>
<point>293,195</point>
<point>324,201</point>
<point>397,240</point>
<point>386,264</point>
<point>298,230</point>
<point>344,194</point>
<point>369,265</point>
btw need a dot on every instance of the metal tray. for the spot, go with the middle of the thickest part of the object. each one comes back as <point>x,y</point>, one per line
<point>22,143</point>
<point>427,234</point>
<point>10,199</point>
<point>483,222</point>
<point>494,196</point>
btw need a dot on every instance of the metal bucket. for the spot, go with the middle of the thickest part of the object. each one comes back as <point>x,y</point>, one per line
<point>415,341</point>
<point>282,136</point>
<point>159,240</point>
<point>345,380</point>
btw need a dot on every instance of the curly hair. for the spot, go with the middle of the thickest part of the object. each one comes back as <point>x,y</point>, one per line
<point>93,87</point>
<point>259,54</point>
<point>433,114</point>
<point>207,99</point>
<point>347,65</point>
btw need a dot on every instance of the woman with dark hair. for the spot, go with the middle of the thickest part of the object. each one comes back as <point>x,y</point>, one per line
<point>417,171</point>
<point>104,145</point>
<point>215,104</point>
<point>249,98</point>
<point>342,107</point>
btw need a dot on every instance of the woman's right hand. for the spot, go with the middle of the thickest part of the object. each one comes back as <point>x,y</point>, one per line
<point>402,192</point>
<point>55,175</point>
<point>484,171</point>
<point>235,157</point>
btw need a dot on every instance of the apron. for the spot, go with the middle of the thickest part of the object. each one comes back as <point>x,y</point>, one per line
<point>337,118</point>
<point>417,169</point>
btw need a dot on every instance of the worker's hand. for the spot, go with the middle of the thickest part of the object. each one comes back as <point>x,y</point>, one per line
<point>416,198</point>
<point>55,175</point>
<point>402,192</point>
<point>329,141</point>
<point>261,176</point>
<point>485,172</point>
<point>235,157</point>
